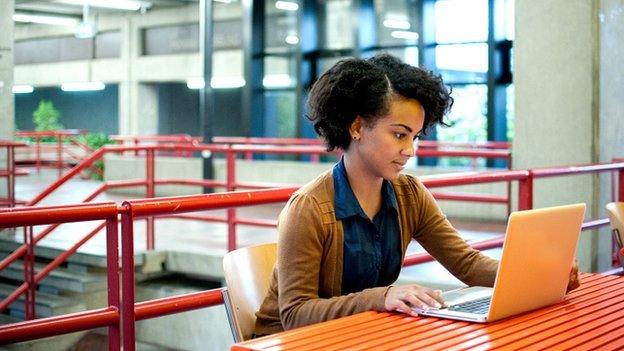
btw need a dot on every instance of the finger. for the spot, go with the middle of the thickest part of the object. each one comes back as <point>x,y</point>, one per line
<point>439,298</point>
<point>412,299</point>
<point>430,299</point>
<point>403,308</point>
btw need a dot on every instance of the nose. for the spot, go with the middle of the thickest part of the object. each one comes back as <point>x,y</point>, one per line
<point>409,149</point>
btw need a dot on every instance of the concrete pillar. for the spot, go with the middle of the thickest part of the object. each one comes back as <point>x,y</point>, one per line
<point>7,102</point>
<point>565,103</point>
<point>138,102</point>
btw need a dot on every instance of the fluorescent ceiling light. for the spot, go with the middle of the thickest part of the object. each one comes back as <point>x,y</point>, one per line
<point>286,5</point>
<point>396,24</point>
<point>54,20</point>
<point>227,82</point>
<point>22,89</point>
<point>292,39</point>
<point>128,5</point>
<point>82,86</point>
<point>277,81</point>
<point>223,1</point>
<point>402,34</point>
<point>195,83</point>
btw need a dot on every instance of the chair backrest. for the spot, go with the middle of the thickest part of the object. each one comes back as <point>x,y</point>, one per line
<point>616,216</point>
<point>247,275</point>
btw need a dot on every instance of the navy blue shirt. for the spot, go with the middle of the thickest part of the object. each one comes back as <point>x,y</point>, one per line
<point>372,249</point>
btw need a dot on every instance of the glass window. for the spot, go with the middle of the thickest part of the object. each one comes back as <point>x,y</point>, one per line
<point>338,24</point>
<point>165,40</point>
<point>462,57</point>
<point>279,72</point>
<point>468,115</point>
<point>108,44</point>
<point>468,122</point>
<point>395,24</point>
<point>281,33</point>
<point>510,111</point>
<point>280,113</point>
<point>458,21</point>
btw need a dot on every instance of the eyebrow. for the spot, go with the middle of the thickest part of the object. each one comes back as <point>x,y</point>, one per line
<point>402,125</point>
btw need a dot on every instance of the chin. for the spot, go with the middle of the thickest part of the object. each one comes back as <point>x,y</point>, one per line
<point>392,176</point>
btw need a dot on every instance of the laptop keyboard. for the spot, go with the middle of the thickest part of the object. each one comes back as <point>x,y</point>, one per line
<point>478,306</point>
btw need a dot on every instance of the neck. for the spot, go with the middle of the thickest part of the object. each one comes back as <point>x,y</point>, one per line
<point>366,186</point>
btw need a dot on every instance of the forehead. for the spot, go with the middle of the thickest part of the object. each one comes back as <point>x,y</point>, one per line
<point>409,112</point>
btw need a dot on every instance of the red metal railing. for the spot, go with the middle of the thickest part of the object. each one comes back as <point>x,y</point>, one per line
<point>58,147</point>
<point>10,172</point>
<point>122,315</point>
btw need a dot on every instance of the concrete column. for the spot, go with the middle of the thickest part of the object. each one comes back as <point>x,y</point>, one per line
<point>564,76</point>
<point>7,102</point>
<point>138,102</point>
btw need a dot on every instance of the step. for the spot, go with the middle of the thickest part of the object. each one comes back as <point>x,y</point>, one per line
<point>46,305</point>
<point>61,278</point>
<point>144,262</point>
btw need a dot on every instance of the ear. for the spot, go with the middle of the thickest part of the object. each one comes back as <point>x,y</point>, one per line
<point>355,128</point>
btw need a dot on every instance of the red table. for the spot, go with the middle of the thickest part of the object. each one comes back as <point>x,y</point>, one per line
<point>591,317</point>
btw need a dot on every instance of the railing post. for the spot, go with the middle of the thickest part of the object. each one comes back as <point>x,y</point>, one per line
<point>59,153</point>
<point>127,278</point>
<point>112,276</point>
<point>621,185</point>
<point>150,193</point>
<point>29,274</point>
<point>231,186</point>
<point>509,167</point>
<point>11,175</point>
<point>38,153</point>
<point>525,193</point>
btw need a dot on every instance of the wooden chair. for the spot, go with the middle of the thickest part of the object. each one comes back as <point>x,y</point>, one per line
<point>247,276</point>
<point>616,216</point>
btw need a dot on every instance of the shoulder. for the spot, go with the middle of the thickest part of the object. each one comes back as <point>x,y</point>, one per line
<point>316,196</point>
<point>408,188</point>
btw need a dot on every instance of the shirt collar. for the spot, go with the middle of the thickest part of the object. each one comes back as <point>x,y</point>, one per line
<point>345,202</point>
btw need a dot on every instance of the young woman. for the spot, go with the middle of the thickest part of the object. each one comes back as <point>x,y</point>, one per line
<point>343,236</point>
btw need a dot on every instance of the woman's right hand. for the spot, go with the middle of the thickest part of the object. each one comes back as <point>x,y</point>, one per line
<point>404,298</point>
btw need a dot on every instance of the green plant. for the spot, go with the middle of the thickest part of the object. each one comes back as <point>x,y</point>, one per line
<point>46,116</point>
<point>95,141</point>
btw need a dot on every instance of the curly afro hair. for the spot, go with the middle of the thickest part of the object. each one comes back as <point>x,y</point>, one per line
<point>364,88</point>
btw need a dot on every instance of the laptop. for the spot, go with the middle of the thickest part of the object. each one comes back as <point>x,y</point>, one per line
<point>533,272</point>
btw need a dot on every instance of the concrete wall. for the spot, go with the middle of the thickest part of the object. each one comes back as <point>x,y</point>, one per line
<point>568,81</point>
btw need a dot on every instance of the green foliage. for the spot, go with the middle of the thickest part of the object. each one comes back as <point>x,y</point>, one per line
<point>95,141</point>
<point>46,116</point>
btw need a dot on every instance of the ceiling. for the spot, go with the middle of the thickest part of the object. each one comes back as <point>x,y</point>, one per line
<point>66,8</point>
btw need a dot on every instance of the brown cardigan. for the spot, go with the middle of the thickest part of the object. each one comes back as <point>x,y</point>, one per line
<point>306,283</point>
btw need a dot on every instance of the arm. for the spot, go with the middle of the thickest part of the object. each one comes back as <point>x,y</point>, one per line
<point>436,234</point>
<point>307,273</point>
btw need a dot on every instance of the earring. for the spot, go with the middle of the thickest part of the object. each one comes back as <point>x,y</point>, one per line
<point>355,138</point>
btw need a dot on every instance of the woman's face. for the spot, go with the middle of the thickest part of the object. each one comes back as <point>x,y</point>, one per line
<point>384,147</point>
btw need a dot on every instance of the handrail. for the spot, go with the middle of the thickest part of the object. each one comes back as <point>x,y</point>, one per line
<point>131,209</point>
<point>11,171</point>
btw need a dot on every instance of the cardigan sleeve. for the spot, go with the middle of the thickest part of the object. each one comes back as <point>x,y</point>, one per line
<point>306,255</point>
<point>436,234</point>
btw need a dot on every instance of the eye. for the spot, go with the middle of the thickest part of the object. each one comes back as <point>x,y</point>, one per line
<point>400,135</point>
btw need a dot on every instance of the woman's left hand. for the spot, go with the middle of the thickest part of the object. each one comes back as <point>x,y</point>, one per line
<point>574,280</point>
